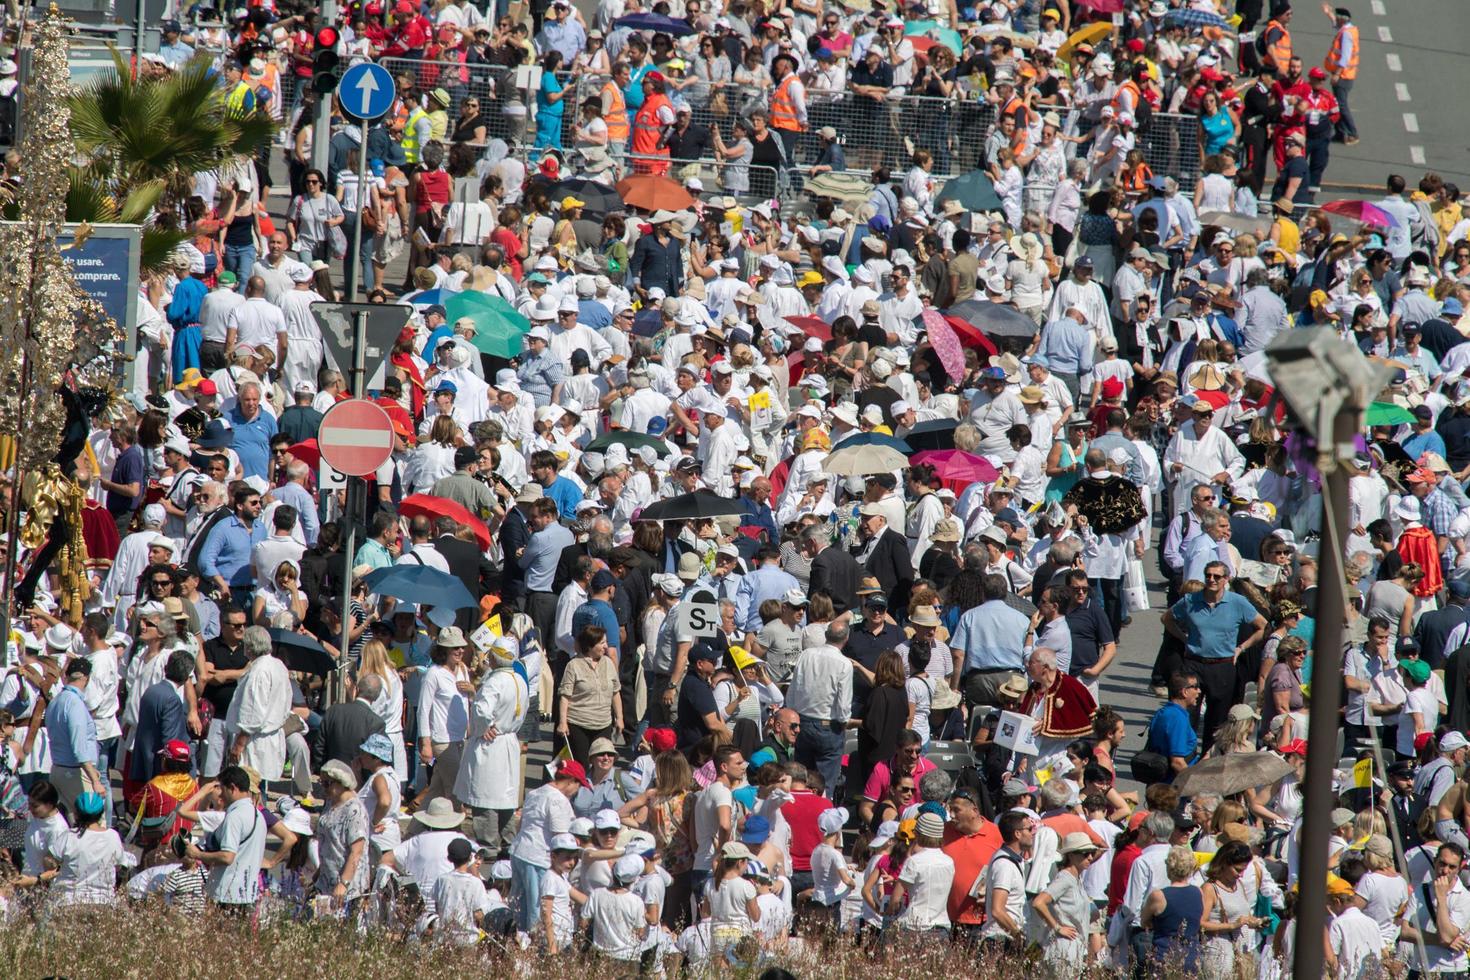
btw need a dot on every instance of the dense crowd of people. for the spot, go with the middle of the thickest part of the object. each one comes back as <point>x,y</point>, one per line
<point>802,538</point>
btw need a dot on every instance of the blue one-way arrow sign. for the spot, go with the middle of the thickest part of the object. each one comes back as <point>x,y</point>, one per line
<point>366,90</point>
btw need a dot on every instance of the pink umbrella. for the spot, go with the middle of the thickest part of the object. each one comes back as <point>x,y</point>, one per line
<point>956,468</point>
<point>945,343</point>
<point>1103,6</point>
<point>1362,212</point>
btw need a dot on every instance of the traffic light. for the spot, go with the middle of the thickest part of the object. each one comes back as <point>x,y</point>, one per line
<point>324,61</point>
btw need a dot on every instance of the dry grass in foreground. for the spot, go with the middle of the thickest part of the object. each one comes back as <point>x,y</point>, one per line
<point>146,942</point>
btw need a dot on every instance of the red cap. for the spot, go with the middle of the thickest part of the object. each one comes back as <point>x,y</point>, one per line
<point>1316,74</point>
<point>1135,45</point>
<point>1112,388</point>
<point>655,76</point>
<point>404,7</point>
<point>1135,821</point>
<point>661,739</point>
<point>1297,746</point>
<point>1421,740</point>
<point>1211,74</point>
<point>206,387</point>
<point>572,769</point>
<point>175,749</point>
<point>550,166</point>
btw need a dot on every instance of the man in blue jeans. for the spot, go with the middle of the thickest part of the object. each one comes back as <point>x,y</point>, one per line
<point>821,693</point>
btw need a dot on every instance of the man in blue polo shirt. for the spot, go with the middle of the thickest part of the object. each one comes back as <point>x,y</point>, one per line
<point>1170,731</point>
<point>1209,622</point>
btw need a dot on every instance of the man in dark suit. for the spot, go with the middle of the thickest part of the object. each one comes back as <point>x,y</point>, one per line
<point>162,717</point>
<point>467,564</point>
<point>884,554</point>
<point>346,726</point>
<point>834,571</point>
<point>515,534</point>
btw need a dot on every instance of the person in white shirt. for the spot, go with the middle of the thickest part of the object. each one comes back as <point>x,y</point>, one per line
<point>459,897</point>
<point>546,816</point>
<point>1354,943</point>
<point>925,880</point>
<point>1441,909</point>
<point>618,919</point>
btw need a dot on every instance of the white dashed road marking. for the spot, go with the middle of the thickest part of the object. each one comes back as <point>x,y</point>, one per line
<point>1378,9</point>
<point>1411,122</point>
<point>1416,154</point>
<point>1394,64</point>
<point>1384,34</point>
<point>1402,91</point>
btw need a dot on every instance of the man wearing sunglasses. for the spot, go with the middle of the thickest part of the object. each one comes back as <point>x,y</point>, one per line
<point>1209,622</point>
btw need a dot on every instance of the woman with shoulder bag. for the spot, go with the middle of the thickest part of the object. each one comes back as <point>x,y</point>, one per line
<point>314,221</point>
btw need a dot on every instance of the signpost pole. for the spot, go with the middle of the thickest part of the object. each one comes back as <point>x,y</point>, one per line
<point>354,494</point>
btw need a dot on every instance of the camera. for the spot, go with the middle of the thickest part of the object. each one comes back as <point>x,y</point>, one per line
<point>179,844</point>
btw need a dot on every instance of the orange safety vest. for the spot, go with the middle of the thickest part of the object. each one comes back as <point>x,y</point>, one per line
<point>1128,86</point>
<point>646,132</point>
<point>616,118</point>
<point>1347,70</point>
<point>783,107</point>
<point>1278,54</point>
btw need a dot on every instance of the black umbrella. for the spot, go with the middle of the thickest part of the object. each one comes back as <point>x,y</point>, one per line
<point>994,319</point>
<point>301,652</point>
<point>692,506</point>
<point>648,322</point>
<point>601,199</point>
<point>936,434</point>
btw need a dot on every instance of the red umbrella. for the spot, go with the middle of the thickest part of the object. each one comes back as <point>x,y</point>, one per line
<point>1362,212</point>
<point>813,326</point>
<point>431,506</point>
<point>307,451</point>
<point>970,334</point>
<point>956,468</point>
<point>1215,399</point>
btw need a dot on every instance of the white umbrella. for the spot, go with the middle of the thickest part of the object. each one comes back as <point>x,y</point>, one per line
<point>864,460</point>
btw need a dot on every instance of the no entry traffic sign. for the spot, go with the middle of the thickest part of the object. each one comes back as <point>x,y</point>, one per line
<point>356,437</point>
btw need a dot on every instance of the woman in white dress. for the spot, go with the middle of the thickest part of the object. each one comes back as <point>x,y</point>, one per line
<point>489,779</point>
<point>388,705</point>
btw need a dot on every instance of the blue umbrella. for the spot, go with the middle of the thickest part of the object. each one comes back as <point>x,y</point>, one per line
<point>1189,17</point>
<point>421,584</point>
<point>428,298</point>
<point>875,439</point>
<point>658,23</point>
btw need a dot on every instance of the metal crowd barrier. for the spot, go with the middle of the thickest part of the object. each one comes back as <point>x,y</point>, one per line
<point>872,132</point>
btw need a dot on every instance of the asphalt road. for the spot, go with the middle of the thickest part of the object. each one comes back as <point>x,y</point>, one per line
<point>1408,100</point>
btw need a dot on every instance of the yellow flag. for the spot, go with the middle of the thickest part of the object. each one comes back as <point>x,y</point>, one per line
<point>1043,776</point>
<point>1363,774</point>
<point>760,399</point>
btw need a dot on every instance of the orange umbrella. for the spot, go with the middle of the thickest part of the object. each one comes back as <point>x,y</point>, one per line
<point>650,192</point>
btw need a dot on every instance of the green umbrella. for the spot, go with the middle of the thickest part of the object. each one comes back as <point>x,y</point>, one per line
<point>1387,413</point>
<point>633,440</point>
<point>973,190</point>
<point>947,36</point>
<point>498,327</point>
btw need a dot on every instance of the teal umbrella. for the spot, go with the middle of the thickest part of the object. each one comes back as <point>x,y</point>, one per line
<point>1387,413</point>
<point>973,190</point>
<point>623,437</point>
<point>498,327</point>
<point>947,36</point>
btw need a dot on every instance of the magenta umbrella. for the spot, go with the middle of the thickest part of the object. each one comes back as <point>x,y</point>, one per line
<point>1363,212</point>
<point>1103,6</point>
<point>956,468</point>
